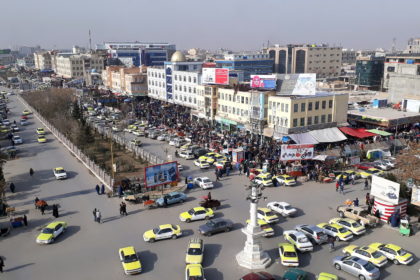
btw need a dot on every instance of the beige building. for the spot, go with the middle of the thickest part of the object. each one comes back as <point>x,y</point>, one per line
<point>44,60</point>
<point>206,102</point>
<point>126,81</point>
<point>73,66</point>
<point>323,60</point>
<point>294,114</point>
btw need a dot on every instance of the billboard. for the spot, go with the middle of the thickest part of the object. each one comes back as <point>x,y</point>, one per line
<point>218,76</point>
<point>161,174</point>
<point>305,84</point>
<point>264,81</point>
<point>385,189</point>
<point>415,195</point>
<point>297,152</point>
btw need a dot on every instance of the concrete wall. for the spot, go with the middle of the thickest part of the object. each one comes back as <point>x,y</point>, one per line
<point>401,86</point>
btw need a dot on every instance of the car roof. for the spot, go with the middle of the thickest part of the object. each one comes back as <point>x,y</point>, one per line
<point>221,220</point>
<point>165,226</point>
<point>264,209</point>
<point>54,224</point>
<point>199,208</point>
<point>128,250</point>
<point>358,260</point>
<point>59,168</point>
<point>287,247</point>
<point>295,232</point>
<point>195,269</point>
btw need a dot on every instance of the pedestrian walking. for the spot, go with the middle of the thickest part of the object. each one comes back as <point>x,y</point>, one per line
<point>35,202</point>
<point>366,184</point>
<point>103,189</point>
<point>240,169</point>
<point>353,178</point>
<point>367,199</point>
<point>369,208</point>
<point>25,220</point>
<point>98,216</point>
<point>165,201</point>
<point>97,189</point>
<point>31,171</point>
<point>209,196</point>
<point>331,242</point>
<point>356,202</point>
<point>55,211</point>
<point>217,175</point>
<point>186,180</point>
<point>227,171</point>
<point>94,215</point>
<point>12,187</point>
<point>42,209</point>
<point>124,208</point>
<point>1,264</point>
<point>342,187</point>
<point>121,207</point>
<point>337,186</point>
<point>120,191</point>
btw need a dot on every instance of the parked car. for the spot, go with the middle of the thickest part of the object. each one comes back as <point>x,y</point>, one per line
<point>326,276</point>
<point>195,251</point>
<point>364,165</point>
<point>261,275</point>
<point>288,254</point>
<point>186,154</point>
<point>362,269</point>
<point>17,139</point>
<point>194,272</point>
<point>285,180</point>
<point>215,226</point>
<point>201,163</point>
<point>349,224</point>
<point>393,252</point>
<point>315,234</point>
<point>358,214</point>
<point>172,198</point>
<point>382,165</point>
<point>267,215</point>
<point>199,152</point>
<point>366,253</point>
<point>282,208</point>
<point>14,127</point>
<point>265,227</point>
<point>371,171</point>
<point>298,239</point>
<point>295,274</point>
<point>336,231</point>
<point>166,231</point>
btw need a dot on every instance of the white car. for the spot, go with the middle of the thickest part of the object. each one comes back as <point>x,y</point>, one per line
<point>17,140</point>
<point>14,127</point>
<point>298,239</point>
<point>203,182</point>
<point>138,132</point>
<point>161,137</point>
<point>173,141</point>
<point>201,163</point>
<point>282,208</point>
<point>380,164</point>
<point>60,173</point>
<point>186,154</point>
<point>116,129</point>
<point>180,167</point>
<point>6,122</point>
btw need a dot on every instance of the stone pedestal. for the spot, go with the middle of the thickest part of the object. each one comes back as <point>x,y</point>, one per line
<point>252,256</point>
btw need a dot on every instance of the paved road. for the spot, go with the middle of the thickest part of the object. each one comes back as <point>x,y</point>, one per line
<point>89,250</point>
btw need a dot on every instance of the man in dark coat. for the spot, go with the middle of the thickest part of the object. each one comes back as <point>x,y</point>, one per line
<point>103,189</point>
<point>97,189</point>
<point>1,264</point>
<point>12,187</point>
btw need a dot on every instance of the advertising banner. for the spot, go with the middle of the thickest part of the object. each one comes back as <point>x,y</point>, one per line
<point>297,152</point>
<point>305,85</point>
<point>218,76</point>
<point>264,81</point>
<point>161,174</point>
<point>385,189</point>
<point>415,195</point>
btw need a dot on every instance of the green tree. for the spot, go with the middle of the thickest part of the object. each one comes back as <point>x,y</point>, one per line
<point>76,112</point>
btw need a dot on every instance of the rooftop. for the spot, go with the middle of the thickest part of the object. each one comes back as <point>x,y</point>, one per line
<point>383,113</point>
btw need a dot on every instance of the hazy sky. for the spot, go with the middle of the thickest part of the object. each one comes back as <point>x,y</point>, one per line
<point>234,24</point>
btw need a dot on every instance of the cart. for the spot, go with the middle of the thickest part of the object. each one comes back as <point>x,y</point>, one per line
<point>210,203</point>
<point>150,204</point>
<point>405,227</point>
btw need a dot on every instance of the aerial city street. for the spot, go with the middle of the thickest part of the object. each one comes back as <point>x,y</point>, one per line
<point>188,158</point>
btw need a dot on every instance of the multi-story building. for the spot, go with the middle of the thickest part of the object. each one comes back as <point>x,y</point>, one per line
<point>206,102</point>
<point>348,56</point>
<point>322,59</point>
<point>125,81</point>
<point>137,54</point>
<point>43,60</point>
<point>402,76</point>
<point>176,82</point>
<point>27,62</point>
<point>249,63</point>
<point>413,46</point>
<point>74,66</point>
<point>369,72</point>
<point>288,114</point>
<point>6,57</point>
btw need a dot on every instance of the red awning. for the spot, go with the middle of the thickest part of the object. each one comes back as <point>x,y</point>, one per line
<point>356,132</point>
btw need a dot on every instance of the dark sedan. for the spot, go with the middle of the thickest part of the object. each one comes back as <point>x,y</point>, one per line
<point>215,226</point>
<point>258,276</point>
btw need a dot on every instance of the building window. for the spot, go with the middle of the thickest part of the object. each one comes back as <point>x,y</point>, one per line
<point>189,79</point>
<point>316,120</point>
<point>309,121</point>
<point>323,119</point>
<point>286,108</point>
<point>317,105</point>
<point>324,104</point>
<point>329,118</point>
<point>242,99</point>
<point>246,100</point>
<point>286,120</point>
<point>295,122</point>
<point>302,121</point>
<point>390,69</point>
<point>296,108</point>
<point>310,106</point>
<point>330,103</point>
<point>195,80</point>
<point>302,107</point>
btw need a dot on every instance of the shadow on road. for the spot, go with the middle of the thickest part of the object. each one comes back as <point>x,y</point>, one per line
<point>187,232</point>
<point>110,219</point>
<point>213,274</point>
<point>70,231</point>
<point>211,252</point>
<point>68,213</point>
<point>57,197</point>
<point>148,260</point>
<point>223,206</point>
<point>18,267</point>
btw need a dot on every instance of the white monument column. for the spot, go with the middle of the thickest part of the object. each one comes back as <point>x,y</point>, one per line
<point>252,256</point>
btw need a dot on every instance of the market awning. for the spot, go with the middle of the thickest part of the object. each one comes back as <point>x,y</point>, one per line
<point>303,138</point>
<point>327,135</point>
<point>357,132</point>
<point>323,157</point>
<point>379,132</point>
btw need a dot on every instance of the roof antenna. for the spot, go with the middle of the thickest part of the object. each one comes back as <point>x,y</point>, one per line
<point>90,41</point>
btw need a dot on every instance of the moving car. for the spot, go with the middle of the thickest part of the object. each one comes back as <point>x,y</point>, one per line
<point>172,198</point>
<point>203,182</point>
<point>138,132</point>
<point>215,226</point>
<point>295,274</point>
<point>371,171</point>
<point>282,208</point>
<point>315,234</point>
<point>23,122</point>
<point>285,180</point>
<point>208,157</point>
<point>326,276</point>
<point>135,142</point>
<point>129,260</point>
<point>349,224</point>
<point>42,139</point>
<point>194,272</point>
<point>14,127</point>
<point>195,214</point>
<point>288,254</point>
<point>6,122</point>
<point>298,239</point>
<point>161,137</point>
<point>26,112</point>
<point>200,152</point>
<point>336,231</point>
<point>17,139</point>
<point>393,252</point>
<point>40,131</point>
<point>201,163</point>
<point>362,269</point>
<point>268,230</point>
<point>223,164</point>
<point>60,173</point>
<point>195,251</point>
<point>162,232</point>
<point>267,215</point>
<point>51,232</point>
<point>265,179</point>
<point>366,253</point>
<point>186,154</point>
<point>347,173</point>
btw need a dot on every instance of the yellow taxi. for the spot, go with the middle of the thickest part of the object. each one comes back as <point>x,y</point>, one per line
<point>195,251</point>
<point>4,129</point>
<point>129,260</point>
<point>286,180</point>
<point>367,254</point>
<point>42,139</point>
<point>371,171</point>
<point>162,232</point>
<point>51,232</point>
<point>346,174</point>
<point>26,112</point>
<point>194,272</point>
<point>268,230</point>
<point>185,147</point>
<point>350,224</point>
<point>40,131</point>
<point>197,213</point>
<point>267,215</point>
<point>288,254</point>
<point>327,276</point>
<point>393,252</point>
<point>207,157</point>
<point>336,231</point>
<point>265,179</point>
<point>219,158</point>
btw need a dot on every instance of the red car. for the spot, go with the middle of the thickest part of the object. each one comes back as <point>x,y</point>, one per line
<point>24,117</point>
<point>364,165</point>
<point>258,276</point>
